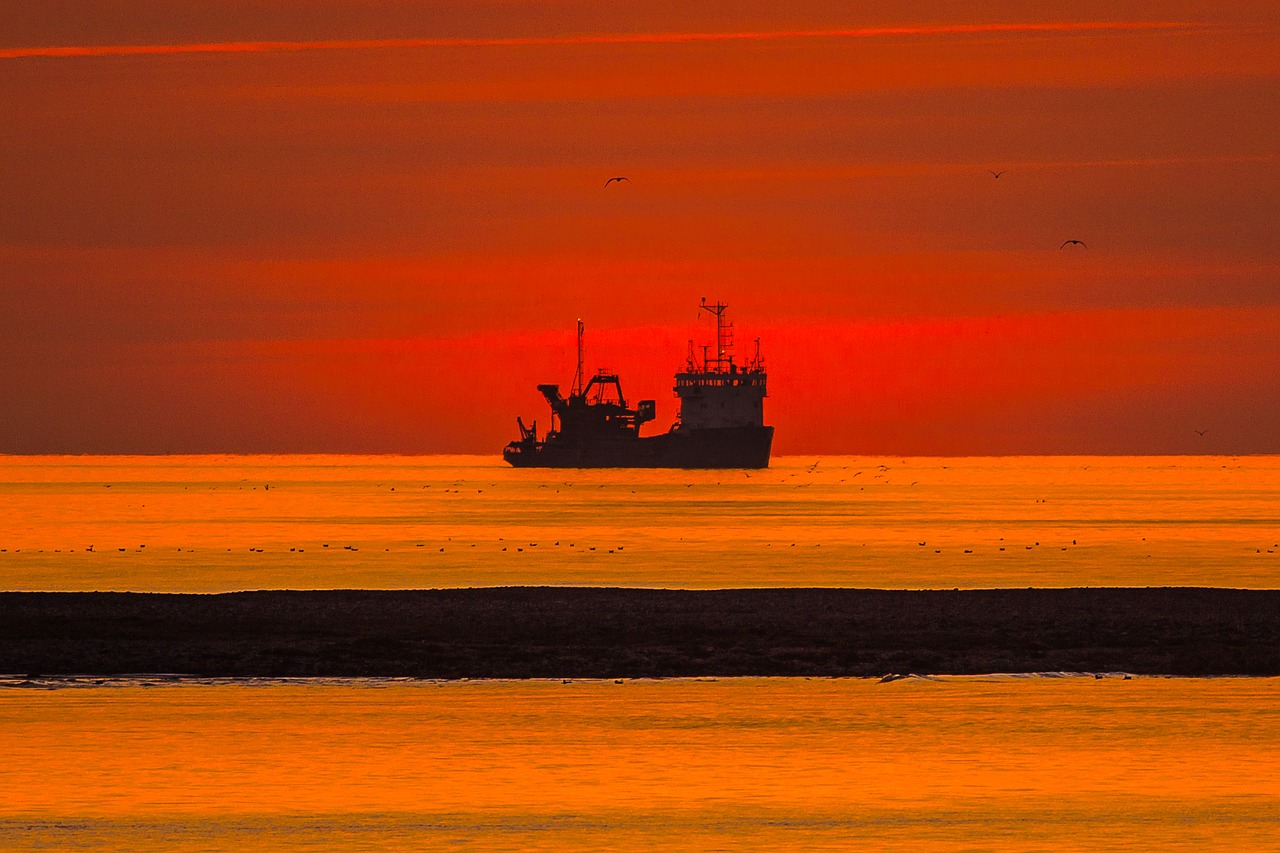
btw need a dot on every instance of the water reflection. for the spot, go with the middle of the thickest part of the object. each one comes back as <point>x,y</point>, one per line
<point>939,764</point>
<point>225,523</point>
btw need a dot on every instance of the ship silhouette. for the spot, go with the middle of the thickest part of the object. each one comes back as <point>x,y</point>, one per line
<point>720,423</point>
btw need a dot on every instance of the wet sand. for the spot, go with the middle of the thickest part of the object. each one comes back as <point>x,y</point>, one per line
<point>549,632</point>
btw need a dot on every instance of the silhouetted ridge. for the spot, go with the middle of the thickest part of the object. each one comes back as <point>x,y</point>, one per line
<point>523,632</point>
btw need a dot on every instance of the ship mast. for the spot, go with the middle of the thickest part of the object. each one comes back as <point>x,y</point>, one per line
<point>724,337</point>
<point>576,390</point>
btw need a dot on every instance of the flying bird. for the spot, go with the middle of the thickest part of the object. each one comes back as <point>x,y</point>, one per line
<point>996,174</point>
<point>1067,243</point>
<point>619,178</point>
<point>1201,432</point>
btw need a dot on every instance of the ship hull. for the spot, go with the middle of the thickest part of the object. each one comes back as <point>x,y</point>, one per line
<point>724,447</point>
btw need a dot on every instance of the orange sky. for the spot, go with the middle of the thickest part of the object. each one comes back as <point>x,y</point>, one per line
<point>370,226</point>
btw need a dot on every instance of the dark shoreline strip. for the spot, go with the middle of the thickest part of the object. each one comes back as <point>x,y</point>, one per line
<point>552,632</point>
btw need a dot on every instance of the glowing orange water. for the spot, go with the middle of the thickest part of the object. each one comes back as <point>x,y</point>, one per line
<point>220,523</point>
<point>957,764</point>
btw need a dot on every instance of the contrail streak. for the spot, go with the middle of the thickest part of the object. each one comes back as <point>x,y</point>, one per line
<point>605,38</point>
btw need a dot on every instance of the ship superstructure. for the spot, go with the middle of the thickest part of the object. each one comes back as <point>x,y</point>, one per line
<point>717,392</point>
<point>720,423</point>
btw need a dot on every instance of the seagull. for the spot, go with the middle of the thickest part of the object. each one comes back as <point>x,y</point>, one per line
<point>1067,243</point>
<point>1201,432</point>
<point>620,178</point>
<point>996,174</point>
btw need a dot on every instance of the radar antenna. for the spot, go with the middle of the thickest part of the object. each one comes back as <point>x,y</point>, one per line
<point>724,337</point>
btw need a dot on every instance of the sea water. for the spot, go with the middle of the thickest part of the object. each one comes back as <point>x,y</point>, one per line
<point>948,764</point>
<point>207,523</point>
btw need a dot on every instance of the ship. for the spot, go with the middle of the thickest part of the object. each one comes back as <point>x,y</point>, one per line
<point>720,423</point>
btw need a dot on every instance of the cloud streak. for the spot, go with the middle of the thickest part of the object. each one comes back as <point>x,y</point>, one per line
<point>241,47</point>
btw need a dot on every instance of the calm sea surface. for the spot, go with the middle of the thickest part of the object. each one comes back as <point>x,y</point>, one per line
<point>965,764</point>
<point>969,764</point>
<point>205,523</point>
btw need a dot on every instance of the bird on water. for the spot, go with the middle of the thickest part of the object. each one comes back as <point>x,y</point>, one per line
<point>1067,243</point>
<point>619,178</point>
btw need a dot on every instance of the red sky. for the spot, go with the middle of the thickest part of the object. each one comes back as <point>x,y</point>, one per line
<point>359,226</point>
